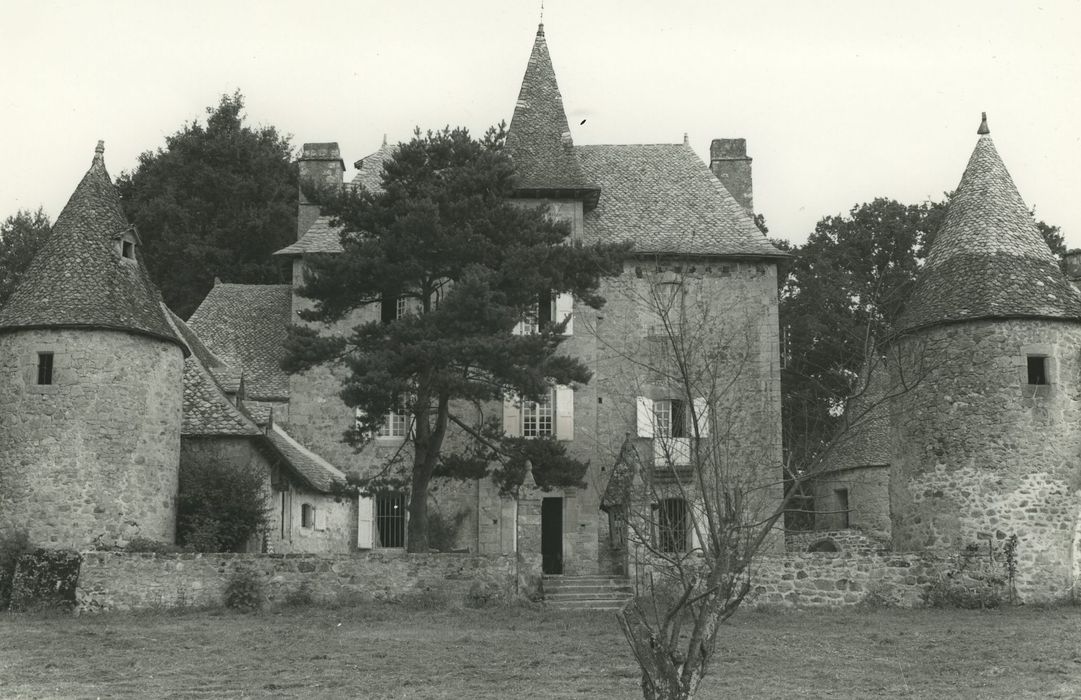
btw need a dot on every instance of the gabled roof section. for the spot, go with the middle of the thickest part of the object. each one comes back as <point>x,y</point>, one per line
<point>313,469</point>
<point>539,138</point>
<point>665,200</point>
<point>249,322</point>
<point>79,279</point>
<point>989,259</point>
<point>370,168</point>
<point>321,237</point>
<point>207,411</point>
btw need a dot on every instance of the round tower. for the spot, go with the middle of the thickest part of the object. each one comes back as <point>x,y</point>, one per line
<point>90,384</point>
<point>987,428</point>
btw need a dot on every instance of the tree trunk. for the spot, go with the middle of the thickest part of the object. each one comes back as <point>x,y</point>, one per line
<point>661,670</point>
<point>417,536</point>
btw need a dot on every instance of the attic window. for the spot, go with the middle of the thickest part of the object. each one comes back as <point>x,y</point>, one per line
<point>127,249</point>
<point>45,368</point>
<point>1037,370</point>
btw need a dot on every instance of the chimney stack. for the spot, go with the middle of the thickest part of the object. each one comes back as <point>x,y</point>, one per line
<point>729,162</point>
<point>1073,265</point>
<point>321,166</point>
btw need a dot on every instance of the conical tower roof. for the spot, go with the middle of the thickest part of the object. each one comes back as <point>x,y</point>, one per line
<point>989,259</point>
<point>539,138</point>
<point>80,279</point>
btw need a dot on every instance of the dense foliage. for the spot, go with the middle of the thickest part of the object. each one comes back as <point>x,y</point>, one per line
<point>467,264</point>
<point>216,201</point>
<point>21,234</point>
<point>221,506</point>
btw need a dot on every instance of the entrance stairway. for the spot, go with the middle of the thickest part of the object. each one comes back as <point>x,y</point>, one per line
<point>586,592</point>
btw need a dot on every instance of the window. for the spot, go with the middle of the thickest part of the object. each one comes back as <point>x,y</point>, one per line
<point>550,307</point>
<point>390,520</point>
<point>552,416</point>
<point>396,424</point>
<point>1037,370</point>
<point>401,307</point>
<point>128,249</point>
<point>307,515</point>
<point>45,368</point>
<point>388,308</point>
<point>671,520</point>
<point>670,416</point>
<point>537,418</point>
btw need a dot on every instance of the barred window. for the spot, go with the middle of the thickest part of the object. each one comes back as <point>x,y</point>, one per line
<point>390,519</point>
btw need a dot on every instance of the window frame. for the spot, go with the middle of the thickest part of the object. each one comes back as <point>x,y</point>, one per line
<point>46,368</point>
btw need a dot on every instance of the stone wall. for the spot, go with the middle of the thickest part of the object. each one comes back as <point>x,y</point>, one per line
<point>868,499</point>
<point>848,541</point>
<point>95,453</point>
<point>982,455</point>
<point>118,581</point>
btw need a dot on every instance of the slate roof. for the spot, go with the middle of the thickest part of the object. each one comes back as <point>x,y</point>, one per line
<point>664,199</point>
<point>989,259</point>
<point>370,168</point>
<point>249,322</point>
<point>316,471</point>
<point>78,279</point>
<point>207,410</point>
<point>320,237</point>
<point>539,138</point>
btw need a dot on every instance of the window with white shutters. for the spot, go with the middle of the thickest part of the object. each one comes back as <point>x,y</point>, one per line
<point>552,416</point>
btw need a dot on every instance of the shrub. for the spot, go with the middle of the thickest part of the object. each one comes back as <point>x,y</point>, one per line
<point>13,544</point>
<point>245,591</point>
<point>443,530</point>
<point>221,506</point>
<point>301,597</point>
<point>46,579</point>
<point>953,591</point>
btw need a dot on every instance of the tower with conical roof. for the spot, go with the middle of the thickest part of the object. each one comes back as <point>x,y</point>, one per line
<point>988,434</point>
<point>90,384</point>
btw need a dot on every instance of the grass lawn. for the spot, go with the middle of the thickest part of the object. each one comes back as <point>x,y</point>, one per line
<point>394,651</point>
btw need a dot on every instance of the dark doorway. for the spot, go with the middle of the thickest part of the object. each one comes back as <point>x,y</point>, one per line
<point>552,535</point>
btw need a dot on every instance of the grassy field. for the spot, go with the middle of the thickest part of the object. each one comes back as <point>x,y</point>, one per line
<point>391,651</point>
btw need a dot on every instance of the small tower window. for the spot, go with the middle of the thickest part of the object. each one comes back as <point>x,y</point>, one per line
<point>45,368</point>
<point>307,515</point>
<point>1037,370</point>
<point>127,249</point>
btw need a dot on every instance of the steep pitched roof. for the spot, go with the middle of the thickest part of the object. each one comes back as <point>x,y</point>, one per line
<point>370,168</point>
<point>79,279</point>
<point>206,409</point>
<point>249,322</point>
<point>989,259</point>
<point>665,200</point>
<point>316,471</point>
<point>539,138</point>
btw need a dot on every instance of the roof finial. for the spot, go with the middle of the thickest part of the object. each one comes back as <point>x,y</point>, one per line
<point>686,139</point>
<point>983,125</point>
<point>99,152</point>
<point>384,139</point>
<point>540,27</point>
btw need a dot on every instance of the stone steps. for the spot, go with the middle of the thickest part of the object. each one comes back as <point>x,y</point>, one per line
<point>586,592</point>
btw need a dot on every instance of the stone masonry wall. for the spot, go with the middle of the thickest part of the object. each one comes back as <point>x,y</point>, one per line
<point>983,455</point>
<point>95,453</point>
<point>868,499</point>
<point>118,581</point>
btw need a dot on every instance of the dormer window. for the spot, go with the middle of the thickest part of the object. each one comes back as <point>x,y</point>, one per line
<point>127,249</point>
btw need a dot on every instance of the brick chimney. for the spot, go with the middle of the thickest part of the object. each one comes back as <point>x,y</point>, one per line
<point>320,165</point>
<point>729,162</point>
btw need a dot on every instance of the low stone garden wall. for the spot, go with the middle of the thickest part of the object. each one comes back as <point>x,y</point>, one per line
<point>123,581</point>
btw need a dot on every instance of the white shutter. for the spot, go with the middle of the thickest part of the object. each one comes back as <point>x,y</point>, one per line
<point>563,308</point>
<point>519,328</point>
<point>364,522</point>
<point>701,412</point>
<point>645,417</point>
<point>564,413</point>
<point>512,416</point>
<point>360,416</point>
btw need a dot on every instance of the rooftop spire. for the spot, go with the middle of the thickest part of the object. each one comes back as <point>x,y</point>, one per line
<point>79,277</point>
<point>539,137</point>
<point>989,259</point>
<point>983,130</point>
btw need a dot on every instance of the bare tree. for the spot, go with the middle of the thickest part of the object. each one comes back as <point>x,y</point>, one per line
<point>702,486</point>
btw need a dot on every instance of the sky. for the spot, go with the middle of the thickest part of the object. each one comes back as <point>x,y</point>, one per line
<point>840,101</point>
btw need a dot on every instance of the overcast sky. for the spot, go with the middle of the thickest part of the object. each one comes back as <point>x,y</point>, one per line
<point>839,101</point>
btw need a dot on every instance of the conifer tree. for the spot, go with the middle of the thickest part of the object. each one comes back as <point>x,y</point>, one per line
<point>469,264</point>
